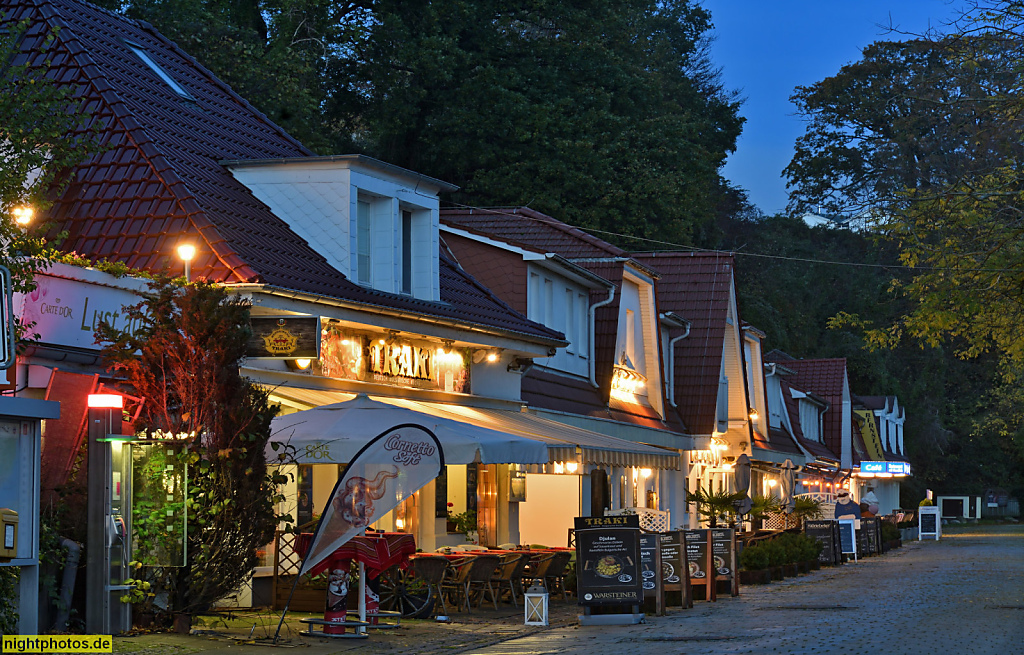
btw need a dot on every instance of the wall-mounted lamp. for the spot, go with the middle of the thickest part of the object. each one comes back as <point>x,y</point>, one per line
<point>186,251</point>
<point>571,467</point>
<point>493,356</point>
<point>772,483</point>
<point>753,414</point>
<point>299,364</point>
<point>23,215</point>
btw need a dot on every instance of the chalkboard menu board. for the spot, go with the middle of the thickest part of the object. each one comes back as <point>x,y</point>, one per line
<point>928,522</point>
<point>847,536</point>
<point>673,561</point>
<point>862,541</point>
<point>722,553</point>
<point>650,570</point>
<point>827,533</point>
<point>608,566</point>
<point>698,557</point>
<point>650,564</point>
<point>870,527</point>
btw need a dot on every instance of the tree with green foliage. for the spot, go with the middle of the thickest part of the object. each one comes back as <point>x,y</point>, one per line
<point>607,116</point>
<point>183,362</point>
<point>921,115</point>
<point>930,135</point>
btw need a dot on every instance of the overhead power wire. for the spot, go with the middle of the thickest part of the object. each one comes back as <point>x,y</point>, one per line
<point>684,248</point>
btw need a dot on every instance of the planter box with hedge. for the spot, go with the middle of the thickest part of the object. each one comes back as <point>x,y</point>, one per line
<point>775,555</point>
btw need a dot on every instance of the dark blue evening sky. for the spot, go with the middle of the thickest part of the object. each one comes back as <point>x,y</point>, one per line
<point>765,49</point>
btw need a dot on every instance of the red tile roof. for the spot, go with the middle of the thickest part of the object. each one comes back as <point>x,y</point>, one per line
<point>537,232</point>
<point>524,227</point>
<point>779,440</point>
<point>562,393</point>
<point>826,378</point>
<point>697,287</point>
<point>160,181</point>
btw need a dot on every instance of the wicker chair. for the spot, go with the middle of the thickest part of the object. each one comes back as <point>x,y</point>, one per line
<point>510,575</point>
<point>431,570</point>
<point>473,572</point>
<point>554,576</point>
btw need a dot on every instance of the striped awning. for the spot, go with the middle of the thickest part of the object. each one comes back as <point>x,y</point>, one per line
<point>564,442</point>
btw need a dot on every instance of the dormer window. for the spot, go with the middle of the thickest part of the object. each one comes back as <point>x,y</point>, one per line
<point>374,222</point>
<point>141,53</point>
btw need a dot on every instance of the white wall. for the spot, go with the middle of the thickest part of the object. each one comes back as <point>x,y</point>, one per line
<point>552,502</point>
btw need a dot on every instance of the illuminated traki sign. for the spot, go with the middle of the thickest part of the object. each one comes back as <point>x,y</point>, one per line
<point>392,360</point>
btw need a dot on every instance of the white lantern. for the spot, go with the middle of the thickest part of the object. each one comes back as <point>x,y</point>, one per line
<point>536,604</point>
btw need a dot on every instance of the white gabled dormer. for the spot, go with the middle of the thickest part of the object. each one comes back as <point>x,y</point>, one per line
<point>375,222</point>
<point>636,344</point>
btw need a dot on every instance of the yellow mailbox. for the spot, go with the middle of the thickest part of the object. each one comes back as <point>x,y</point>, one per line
<point>8,534</point>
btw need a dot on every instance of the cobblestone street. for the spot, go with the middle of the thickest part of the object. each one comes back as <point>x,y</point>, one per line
<point>964,594</point>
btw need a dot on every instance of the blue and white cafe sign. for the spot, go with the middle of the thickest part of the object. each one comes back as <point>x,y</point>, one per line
<point>884,469</point>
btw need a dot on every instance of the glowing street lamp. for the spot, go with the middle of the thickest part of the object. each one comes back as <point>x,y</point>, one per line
<point>186,252</point>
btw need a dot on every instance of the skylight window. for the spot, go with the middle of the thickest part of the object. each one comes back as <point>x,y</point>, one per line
<point>141,53</point>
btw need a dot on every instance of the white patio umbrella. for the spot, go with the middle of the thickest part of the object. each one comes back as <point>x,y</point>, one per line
<point>335,433</point>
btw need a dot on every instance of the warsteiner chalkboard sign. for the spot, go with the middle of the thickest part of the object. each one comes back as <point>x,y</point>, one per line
<point>608,568</point>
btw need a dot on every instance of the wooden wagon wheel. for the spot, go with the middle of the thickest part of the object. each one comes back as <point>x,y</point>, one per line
<point>401,591</point>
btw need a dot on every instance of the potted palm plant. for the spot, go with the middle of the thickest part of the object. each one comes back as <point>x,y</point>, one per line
<point>714,505</point>
<point>762,507</point>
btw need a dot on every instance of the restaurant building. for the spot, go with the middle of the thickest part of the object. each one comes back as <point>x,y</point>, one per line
<point>340,256</point>
<point>881,420</point>
<point>612,377</point>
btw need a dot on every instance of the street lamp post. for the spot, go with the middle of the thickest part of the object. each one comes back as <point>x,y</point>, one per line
<point>186,252</point>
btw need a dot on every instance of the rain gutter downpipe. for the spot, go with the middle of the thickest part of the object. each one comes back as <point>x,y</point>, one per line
<point>593,330</point>
<point>672,362</point>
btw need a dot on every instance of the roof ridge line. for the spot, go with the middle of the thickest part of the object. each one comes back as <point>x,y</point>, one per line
<point>213,79</point>
<point>137,136</point>
<point>555,223</point>
<point>490,294</point>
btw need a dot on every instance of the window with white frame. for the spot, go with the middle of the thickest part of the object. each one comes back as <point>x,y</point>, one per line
<point>562,305</point>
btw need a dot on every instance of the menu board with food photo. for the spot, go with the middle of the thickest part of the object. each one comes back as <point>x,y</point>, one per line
<point>673,567</point>
<point>608,566</point>
<point>649,563</point>
<point>722,553</point>
<point>698,556</point>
